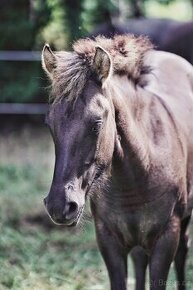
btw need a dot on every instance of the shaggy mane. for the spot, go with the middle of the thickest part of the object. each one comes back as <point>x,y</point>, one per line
<point>74,68</point>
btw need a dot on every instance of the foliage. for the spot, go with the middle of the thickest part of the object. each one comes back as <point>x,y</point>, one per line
<point>21,21</point>
<point>72,18</point>
<point>19,82</point>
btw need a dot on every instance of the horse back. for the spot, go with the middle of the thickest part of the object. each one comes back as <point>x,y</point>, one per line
<point>171,80</point>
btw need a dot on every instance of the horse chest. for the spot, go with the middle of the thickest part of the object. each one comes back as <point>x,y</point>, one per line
<point>141,225</point>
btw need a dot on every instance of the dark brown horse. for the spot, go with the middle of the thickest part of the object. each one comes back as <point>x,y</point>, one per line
<point>122,124</point>
<point>179,40</point>
<point>166,34</point>
<point>155,28</point>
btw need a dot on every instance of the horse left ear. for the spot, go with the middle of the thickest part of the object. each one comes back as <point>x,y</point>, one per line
<point>49,60</point>
<point>102,64</point>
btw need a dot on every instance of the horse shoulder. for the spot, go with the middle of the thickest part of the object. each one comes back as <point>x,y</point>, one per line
<point>170,75</point>
<point>172,81</point>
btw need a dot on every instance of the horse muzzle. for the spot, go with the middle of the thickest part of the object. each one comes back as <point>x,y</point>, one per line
<point>69,214</point>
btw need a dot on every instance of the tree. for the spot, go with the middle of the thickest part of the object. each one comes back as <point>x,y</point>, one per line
<point>21,22</point>
<point>72,18</point>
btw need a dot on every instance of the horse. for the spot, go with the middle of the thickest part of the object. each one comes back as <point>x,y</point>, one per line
<point>155,28</point>
<point>179,40</point>
<point>121,120</point>
<point>166,34</point>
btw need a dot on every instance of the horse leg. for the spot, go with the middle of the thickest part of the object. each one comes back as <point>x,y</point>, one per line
<point>115,258</point>
<point>140,260</point>
<point>180,258</point>
<point>163,254</point>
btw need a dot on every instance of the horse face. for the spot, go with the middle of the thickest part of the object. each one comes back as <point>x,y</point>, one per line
<point>83,134</point>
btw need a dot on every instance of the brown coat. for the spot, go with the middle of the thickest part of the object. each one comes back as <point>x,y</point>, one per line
<point>122,123</point>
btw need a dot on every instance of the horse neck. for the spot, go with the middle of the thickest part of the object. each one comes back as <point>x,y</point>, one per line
<point>131,157</point>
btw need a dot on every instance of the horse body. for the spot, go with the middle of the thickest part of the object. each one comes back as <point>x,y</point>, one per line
<point>138,209</point>
<point>179,102</point>
<point>137,167</point>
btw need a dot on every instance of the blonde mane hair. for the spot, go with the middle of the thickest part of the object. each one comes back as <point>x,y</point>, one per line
<point>74,68</point>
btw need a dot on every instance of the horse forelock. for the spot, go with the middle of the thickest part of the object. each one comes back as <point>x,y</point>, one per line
<point>69,76</point>
<point>74,68</point>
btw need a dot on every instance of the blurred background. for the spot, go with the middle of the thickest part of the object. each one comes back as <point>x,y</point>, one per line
<point>34,253</point>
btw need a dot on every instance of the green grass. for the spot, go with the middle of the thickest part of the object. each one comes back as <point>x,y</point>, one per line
<point>32,258</point>
<point>34,253</point>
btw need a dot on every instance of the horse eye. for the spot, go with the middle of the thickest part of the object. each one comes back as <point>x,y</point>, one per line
<point>96,127</point>
<point>87,163</point>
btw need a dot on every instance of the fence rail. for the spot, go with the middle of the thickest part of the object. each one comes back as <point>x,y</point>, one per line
<point>29,109</point>
<point>6,55</point>
<point>15,108</point>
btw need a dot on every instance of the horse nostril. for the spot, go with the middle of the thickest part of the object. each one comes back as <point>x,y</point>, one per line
<point>45,201</point>
<point>70,210</point>
<point>73,207</point>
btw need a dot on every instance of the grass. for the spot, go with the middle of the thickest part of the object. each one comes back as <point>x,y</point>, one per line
<point>35,254</point>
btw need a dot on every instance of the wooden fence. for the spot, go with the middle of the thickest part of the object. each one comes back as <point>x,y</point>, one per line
<point>17,108</point>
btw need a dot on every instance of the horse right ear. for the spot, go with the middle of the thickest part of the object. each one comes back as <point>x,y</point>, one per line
<point>102,64</point>
<point>49,60</point>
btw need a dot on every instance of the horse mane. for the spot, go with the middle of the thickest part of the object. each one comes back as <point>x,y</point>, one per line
<point>74,68</point>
